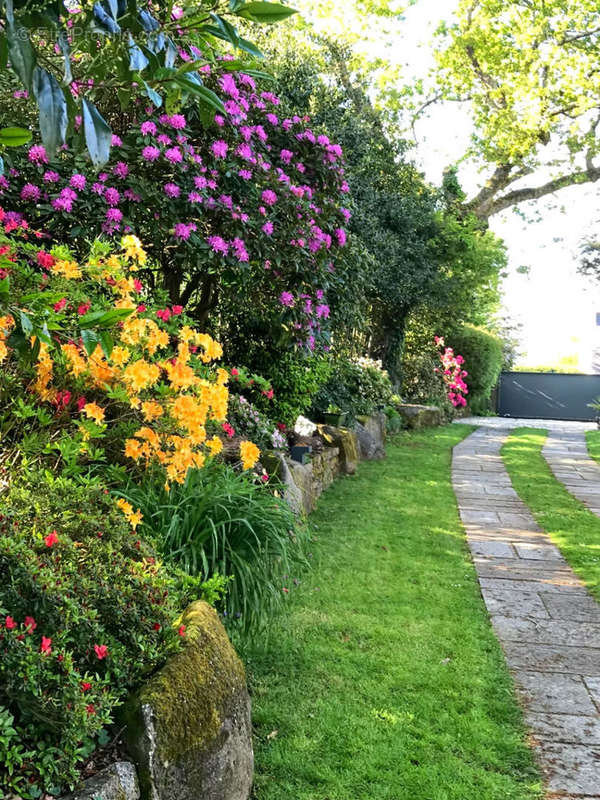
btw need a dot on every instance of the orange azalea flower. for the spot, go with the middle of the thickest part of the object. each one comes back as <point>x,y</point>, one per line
<point>93,411</point>
<point>152,410</point>
<point>249,453</point>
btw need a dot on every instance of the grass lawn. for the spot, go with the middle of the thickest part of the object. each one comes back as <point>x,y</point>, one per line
<point>571,526</point>
<point>383,679</point>
<point>593,444</point>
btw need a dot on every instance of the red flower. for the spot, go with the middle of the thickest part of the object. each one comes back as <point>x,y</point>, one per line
<point>141,308</point>
<point>101,651</point>
<point>51,539</point>
<point>181,630</point>
<point>264,477</point>
<point>30,624</point>
<point>164,314</point>
<point>282,426</point>
<point>83,309</point>
<point>91,709</point>
<point>46,646</point>
<point>81,402</point>
<point>156,626</point>
<point>45,260</point>
<point>269,394</point>
<point>63,398</point>
<point>228,429</point>
<point>10,623</point>
<point>85,686</point>
<point>60,305</point>
<point>235,372</point>
<point>137,285</point>
<point>177,310</point>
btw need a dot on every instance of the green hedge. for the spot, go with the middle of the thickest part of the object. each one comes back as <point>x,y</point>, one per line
<point>483,354</point>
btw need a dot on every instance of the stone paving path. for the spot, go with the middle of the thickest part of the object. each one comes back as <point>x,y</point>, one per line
<point>546,621</point>
<point>567,455</point>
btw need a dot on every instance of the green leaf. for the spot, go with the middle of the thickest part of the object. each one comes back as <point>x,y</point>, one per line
<point>107,343</point>
<point>234,5</point>
<point>20,50</point>
<point>104,319</point>
<point>229,32</point>
<point>4,287</point>
<point>90,341</point>
<point>97,134</point>
<point>205,96</point>
<point>268,13</point>
<point>153,95</point>
<point>248,47</point>
<point>63,43</point>
<point>239,66</point>
<point>26,323</point>
<point>14,137</point>
<point>53,109</point>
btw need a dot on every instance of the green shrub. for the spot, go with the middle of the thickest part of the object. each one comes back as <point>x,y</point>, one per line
<point>85,613</point>
<point>483,354</point>
<point>356,387</point>
<point>219,521</point>
<point>422,381</point>
<point>295,378</point>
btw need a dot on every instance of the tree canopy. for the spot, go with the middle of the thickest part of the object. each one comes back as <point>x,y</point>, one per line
<point>529,71</point>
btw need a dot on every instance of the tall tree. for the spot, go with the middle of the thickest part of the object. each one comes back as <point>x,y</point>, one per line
<point>529,71</point>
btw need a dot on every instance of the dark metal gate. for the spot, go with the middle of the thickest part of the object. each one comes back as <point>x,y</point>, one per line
<point>547,395</point>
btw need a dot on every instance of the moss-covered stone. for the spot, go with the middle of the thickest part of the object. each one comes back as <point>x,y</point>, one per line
<point>416,417</point>
<point>347,444</point>
<point>371,436</point>
<point>189,727</point>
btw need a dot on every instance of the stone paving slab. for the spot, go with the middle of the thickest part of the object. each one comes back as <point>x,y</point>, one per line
<point>545,619</point>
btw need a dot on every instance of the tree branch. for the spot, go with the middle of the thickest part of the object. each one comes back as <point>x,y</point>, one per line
<point>484,210</point>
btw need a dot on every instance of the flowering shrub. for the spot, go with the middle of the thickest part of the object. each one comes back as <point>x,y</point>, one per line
<point>104,358</point>
<point>356,387</point>
<point>453,374</point>
<point>85,612</point>
<point>255,206</point>
<point>247,421</point>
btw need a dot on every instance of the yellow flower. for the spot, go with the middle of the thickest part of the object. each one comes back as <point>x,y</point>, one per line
<point>249,453</point>
<point>120,356</point>
<point>181,376</point>
<point>3,351</point>
<point>77,363</point>
<point>133,449</point>
<point>141,375</point>
<point>151,410</point>
<point>93,411</point>
<point>133,248</point>
<point>68,269</point>
<point>134,518</point>
<point>215,445</point>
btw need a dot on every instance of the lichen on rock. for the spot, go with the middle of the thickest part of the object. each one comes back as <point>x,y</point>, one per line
<point>189,727</point>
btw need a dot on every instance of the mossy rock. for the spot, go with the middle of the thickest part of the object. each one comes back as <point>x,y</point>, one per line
<point>371,436</point>
<point>189,727</point>
<point>416,417</point>
<point>347,443</point>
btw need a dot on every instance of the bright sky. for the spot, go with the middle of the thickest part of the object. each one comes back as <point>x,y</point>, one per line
<point>555,306</point>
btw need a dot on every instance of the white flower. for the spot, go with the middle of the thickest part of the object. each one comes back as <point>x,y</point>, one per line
<point>304,427</point>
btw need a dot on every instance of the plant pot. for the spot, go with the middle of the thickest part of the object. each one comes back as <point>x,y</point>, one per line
<point>301,453</point>
<point>337,420</point>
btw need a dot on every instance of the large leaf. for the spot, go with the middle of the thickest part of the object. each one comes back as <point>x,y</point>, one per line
<point>20,51</point>
<point>14,137</point>
<point>204,95</point>
<point>97,133</point>
<point>265,12</point>
<point>105,20</point>
<point>63,43</point>
<point>137,60</point>
<point>53,109</point>
<point>249,47</point>
<point>104,319</point>
<point>154,96</point>
<point>226,28</point>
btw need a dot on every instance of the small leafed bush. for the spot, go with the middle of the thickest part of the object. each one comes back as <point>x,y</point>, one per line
<point>356,387</point>
<point>220,521</point>
<point>86,611</point>
<point>483,355</point>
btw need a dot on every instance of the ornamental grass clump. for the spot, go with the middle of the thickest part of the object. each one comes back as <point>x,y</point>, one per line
<point>220,521</point>
<point>86,612</point>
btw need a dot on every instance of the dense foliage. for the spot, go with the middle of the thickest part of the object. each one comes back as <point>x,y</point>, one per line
<point>484,357</point>
<point>86,611</point>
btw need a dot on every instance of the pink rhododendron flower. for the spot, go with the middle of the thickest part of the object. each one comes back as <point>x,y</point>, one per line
<point>150,153</point>
<point>37,154</point>
<point>219,148</point>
